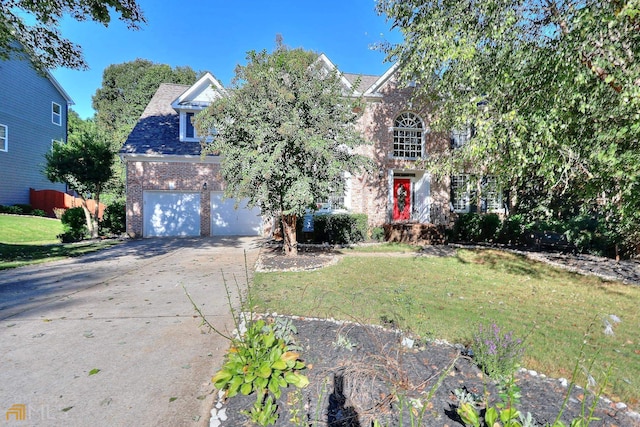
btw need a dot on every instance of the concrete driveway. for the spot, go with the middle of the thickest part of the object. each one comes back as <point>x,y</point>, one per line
<point>110,339</point>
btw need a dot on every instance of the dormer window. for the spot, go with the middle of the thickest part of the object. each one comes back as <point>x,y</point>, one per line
<point>188,131</point>
<point>407,136</point>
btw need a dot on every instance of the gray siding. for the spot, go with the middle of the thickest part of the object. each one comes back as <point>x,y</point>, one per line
<point>25,108</point>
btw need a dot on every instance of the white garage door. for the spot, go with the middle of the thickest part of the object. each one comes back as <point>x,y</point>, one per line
<point>171,214</point>
<point>228,221</point>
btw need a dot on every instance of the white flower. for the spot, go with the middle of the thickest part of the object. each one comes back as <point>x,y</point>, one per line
<point>614,318</point>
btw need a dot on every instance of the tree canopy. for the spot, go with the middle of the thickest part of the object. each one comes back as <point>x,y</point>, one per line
<point>84,162</point>
<point>550,87</point>
<point>286,133</point>
<point>126,90</point>
<point>43,41</point>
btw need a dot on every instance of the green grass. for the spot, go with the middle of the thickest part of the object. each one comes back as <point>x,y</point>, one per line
<point>28,240</point>
<point>29,229</point>
<point>448,297</point>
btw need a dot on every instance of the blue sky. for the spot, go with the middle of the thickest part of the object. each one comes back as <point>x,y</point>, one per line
<point>214,35</point>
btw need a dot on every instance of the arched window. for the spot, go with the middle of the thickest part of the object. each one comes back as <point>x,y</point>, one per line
<point>407,136</point>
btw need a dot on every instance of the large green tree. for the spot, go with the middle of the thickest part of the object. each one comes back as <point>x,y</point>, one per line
<point>551,87</point>
<point>84,162</point>
<point>286,133</point>
<point>35,24</point>
<point>126,90</point>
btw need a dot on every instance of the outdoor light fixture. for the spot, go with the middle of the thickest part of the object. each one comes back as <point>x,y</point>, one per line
<point>204,186</point>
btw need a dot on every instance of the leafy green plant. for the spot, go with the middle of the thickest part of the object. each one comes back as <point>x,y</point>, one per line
<point>497,354</point>
<point>14,210</point>
<point>377,234</point>
<point>114,218</point>
<point>261,360</point>
<point>504,413</point>
<point>340,228</point>
<point>75,225</point>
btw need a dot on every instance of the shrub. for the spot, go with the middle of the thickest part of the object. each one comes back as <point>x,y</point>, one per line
<point>75,225</point>
<point>497,354</point>
<point>377,234</point>
<point>114,218</point>
<point>468,227</point>
<point>340,228</point>
<point>15,210</point>
<point>25,208</point>
<point>38,212</point>
<point>489,225</point>
<point>511,230</point>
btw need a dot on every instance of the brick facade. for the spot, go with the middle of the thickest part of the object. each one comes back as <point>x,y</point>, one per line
<point>177,176</point>
<point>158,160</point>
<point>370,192</point>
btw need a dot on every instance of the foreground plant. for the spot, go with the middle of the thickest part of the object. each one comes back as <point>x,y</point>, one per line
<point>261,360</point>
<point>505,413</point>
<point>261,363</point>
<point>497,354</point>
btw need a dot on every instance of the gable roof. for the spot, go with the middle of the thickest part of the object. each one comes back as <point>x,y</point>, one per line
<point>200,94</point>
<point>382,80</point>
<point>365,81</point>
<point>158,129</point>
<point>157,132</point>
<point>367,85</point>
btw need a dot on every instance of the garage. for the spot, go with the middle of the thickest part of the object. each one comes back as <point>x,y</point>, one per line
<point>226,220</point>
<point>171,214</point>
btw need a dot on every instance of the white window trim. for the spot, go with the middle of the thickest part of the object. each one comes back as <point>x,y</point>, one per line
<point>467,205</point>
<point>5,147</point>
<point>183,127</point>
<point>460,138</point>
<point>492,182</point>
<point>55,115</point>
<point>422,131</point>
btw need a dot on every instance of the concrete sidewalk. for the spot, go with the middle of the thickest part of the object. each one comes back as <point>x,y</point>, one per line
<point>111,339</point>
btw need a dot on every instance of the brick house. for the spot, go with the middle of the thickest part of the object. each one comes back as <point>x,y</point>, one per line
<point>173,190</point>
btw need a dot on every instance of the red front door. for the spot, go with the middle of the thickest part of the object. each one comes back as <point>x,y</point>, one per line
<point>401,199</point>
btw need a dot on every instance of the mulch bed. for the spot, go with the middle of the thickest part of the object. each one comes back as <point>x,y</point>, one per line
<point>361,373</point>
<point>358,372</point>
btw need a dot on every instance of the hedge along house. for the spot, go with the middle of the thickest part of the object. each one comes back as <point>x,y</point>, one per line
<point>174,191</point>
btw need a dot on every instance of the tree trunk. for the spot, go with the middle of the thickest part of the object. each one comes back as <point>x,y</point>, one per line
<point>91,224</point>
<point>289,235</point>
<point>96,216</point>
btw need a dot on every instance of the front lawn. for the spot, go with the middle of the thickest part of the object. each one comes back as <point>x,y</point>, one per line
<point>28,240</point>
<point>447,297</point>
<point>29,229</point>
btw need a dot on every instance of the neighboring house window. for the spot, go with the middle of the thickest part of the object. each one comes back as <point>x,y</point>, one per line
<point>4,138</point>
<point>407,136</point>
<point>460,194</point>
<point>56,114</point>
